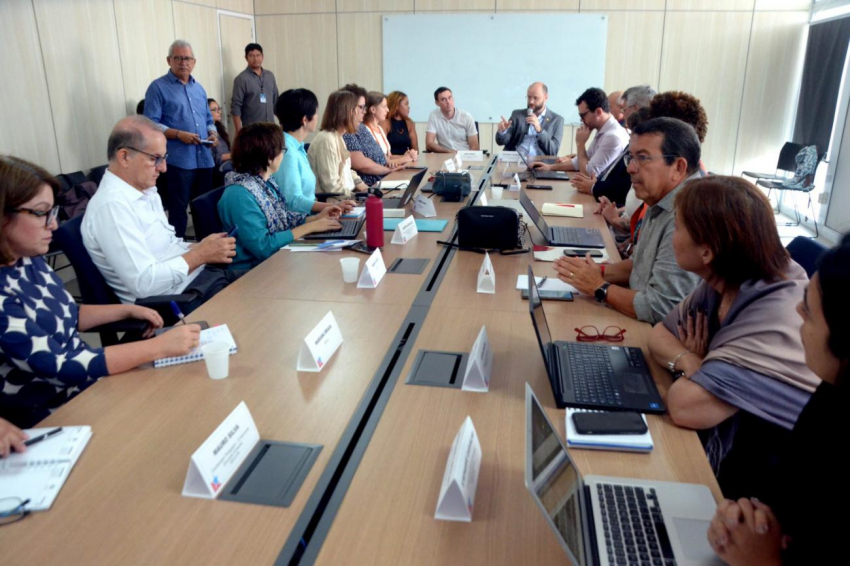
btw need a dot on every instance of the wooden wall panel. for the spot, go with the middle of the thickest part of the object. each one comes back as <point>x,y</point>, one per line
<point>199,26</point>
<point>267,7</point>
<point>709,61</point>
<point>725,5</point>
<point>145,30</point>
<point>527,5</point>
<point>207,3</point>
<point>243,6</point>
<point>454,5</point>
<point>592,5</point>
<point>27,123</point>
<point>284,39</point>
<point>236,33</point>
<point>374,5</point>
<point>83,76</point>
<point>362,59</point>
<point>771,87</point>
<point>784,5</point>
<point>633,51</point>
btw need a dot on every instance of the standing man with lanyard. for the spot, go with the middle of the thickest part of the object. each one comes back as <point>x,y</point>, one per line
<point>254,91</point>
<point>178,104</point>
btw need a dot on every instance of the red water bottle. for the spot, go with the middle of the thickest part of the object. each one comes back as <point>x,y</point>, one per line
<point>374,222</point>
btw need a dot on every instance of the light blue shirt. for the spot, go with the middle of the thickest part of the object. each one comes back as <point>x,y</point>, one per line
<point>295,178</point>
<point>529,143</point>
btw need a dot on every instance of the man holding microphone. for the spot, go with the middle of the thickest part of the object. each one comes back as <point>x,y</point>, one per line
<point>535,130</point>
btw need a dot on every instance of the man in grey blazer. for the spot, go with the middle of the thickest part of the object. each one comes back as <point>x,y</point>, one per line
<point>535,130</point>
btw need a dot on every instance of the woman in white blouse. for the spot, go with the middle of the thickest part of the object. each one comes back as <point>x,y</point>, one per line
<point>376,112</point>
<point>328,156</point>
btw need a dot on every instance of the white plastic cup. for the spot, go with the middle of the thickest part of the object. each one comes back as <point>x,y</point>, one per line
<point>496,192</point>
<point>217,359</point>
<point>350,268</point>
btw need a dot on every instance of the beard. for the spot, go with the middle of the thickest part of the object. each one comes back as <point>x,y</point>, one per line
<point>537,109</point>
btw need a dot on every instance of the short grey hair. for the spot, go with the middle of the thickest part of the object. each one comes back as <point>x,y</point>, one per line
<point>639,96</point>
<point>129,132</point>
<point>179,43</point>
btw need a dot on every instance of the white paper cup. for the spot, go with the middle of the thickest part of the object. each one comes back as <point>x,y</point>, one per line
<point>217,359</point>
<point>496,192</point>
<point>350,268</point>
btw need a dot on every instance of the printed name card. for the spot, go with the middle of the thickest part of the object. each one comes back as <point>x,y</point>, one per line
<point>458,161</point>
<point>450,165</point>
<point>480,365</point>
<point>320,345</point>
<point>405,231</point>
<point>470,156</point>
<point>482,199</point>
<point>457,494</point>
<point>214,463</point>
<point>373,272</point>
<point>486,276</point>
<point>515,186</point>
<point>424,206</point>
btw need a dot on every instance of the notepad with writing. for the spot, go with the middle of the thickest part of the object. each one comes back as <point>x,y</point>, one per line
<point>215,334</point>
<point>563,209</point>
<point>39,473</point>
<point>621,442</point>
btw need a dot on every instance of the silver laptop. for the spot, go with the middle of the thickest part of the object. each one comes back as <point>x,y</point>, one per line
<point>613,521</point>
<point>532,174</point>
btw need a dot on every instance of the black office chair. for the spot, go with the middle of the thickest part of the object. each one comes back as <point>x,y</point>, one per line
<point>204,210</point>
<point>785,165</point>
<point>96,173</point>
<point>806,252</point>
<point>96,291</point>
<point>807,161</point>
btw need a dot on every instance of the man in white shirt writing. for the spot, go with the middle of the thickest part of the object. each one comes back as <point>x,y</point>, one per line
<point>128,236</point>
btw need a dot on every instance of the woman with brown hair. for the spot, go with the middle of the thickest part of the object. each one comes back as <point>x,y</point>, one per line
<point>329,158</point>
<point>734,342</point>
<point>400,129</point>
<point>43,360</point>
<point>376,112</point>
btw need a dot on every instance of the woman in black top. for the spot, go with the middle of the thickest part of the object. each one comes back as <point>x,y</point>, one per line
<point>807,525</point>
<point>400,129</point>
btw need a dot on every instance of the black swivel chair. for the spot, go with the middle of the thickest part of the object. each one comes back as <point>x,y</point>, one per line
<point>785,165</point>
<point>204,210</point>
<point>806,252</point>
<point>96,291</point>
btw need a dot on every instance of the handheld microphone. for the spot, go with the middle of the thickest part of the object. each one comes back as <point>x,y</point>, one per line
<point>529,111</point>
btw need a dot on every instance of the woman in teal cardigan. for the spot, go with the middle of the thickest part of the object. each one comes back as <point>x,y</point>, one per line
<point>297,111</point>
<point>254,203</point>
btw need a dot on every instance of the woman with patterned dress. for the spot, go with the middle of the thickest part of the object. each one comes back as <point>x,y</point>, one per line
<point>253,203</point>
<point>43,360</point>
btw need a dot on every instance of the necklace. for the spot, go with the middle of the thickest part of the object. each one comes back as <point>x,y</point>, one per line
<point>400,129</point>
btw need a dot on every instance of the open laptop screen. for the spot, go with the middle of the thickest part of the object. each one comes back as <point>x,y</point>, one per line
<point>536,217</point>
<point>538,317</point>
<point>554,480</point>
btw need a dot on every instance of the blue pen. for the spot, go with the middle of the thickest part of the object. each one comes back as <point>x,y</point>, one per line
<point>177,312</point>
<point>329,244</point>
<point>233,232</point>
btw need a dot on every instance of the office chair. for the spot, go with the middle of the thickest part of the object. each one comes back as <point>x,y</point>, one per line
<point>785,164</point>
<point>96,291</point>
<point>806,252</point>
<point>96,173</point>
<point>204,210</point>
<point>807,160</point>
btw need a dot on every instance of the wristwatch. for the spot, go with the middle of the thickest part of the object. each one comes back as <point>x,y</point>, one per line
<point>601,294</point>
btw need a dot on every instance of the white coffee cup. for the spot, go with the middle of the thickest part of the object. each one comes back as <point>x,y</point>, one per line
<point>350,268</point>
<point>496,192</point>
<point>217,359</point>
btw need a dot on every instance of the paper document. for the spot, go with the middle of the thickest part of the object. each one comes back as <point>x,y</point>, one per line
<point>551,284</point>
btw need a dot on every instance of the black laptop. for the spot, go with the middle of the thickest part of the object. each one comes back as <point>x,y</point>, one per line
<point>533,174</point>
<point>562,235</point>
<point>350,228</point>
<point>612,378</point>
<point>401,202</point>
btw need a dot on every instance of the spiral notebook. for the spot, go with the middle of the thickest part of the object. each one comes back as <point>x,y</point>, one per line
<point>623,442</point>
<point>215,334</point>
<point>39,473</point>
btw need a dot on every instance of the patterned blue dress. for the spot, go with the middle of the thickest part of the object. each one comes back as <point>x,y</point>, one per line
<point>364,142</point>
<point>43,361</point>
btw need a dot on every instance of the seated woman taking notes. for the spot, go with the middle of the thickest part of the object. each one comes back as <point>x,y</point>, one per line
<point>297,111</point>
<point>253,203</point>
<point>735,338</point>
<point>43,360</point>
<point>329,158</point>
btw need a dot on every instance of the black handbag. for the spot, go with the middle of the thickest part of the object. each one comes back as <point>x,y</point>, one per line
<point>489,228</point>
<point>452,186</point>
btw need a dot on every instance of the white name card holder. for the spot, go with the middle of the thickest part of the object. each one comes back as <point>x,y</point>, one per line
<point>373,272</point>
<point>424,206</point>
<point>516,185</point>
<point>450,165</point>
<point>405,231</point>
<point>457,494</point>
<point>320,345</point>
<point>486,276</point>
<point>471,155</point>
<point>458,161</point>
<point>479,367</point>
<point>482,199</point>
<point>219,457</point>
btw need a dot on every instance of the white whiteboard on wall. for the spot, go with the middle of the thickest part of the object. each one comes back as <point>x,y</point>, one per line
<point>488,60</point>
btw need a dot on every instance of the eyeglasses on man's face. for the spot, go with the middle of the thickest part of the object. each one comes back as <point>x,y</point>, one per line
<point>157,159</point>
<point>182,59</point>
<point>641,160</point>
<point>48,215</point>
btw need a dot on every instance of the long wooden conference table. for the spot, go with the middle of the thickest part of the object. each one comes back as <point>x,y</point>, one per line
<point>371,495</point>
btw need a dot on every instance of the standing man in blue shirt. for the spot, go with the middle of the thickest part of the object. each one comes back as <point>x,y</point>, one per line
<point>178,104</point>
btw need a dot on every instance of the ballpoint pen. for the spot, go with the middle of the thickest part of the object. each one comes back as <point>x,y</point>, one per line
<point>542,281</point>
<point>41,437</point>
<point>177,312</point>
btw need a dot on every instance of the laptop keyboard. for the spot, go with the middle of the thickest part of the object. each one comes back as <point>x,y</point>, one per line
<point>633,525</point>
<point>391,202</point>
<point>349,228</point>
<point>567,234</point>
<point>592,374</point>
